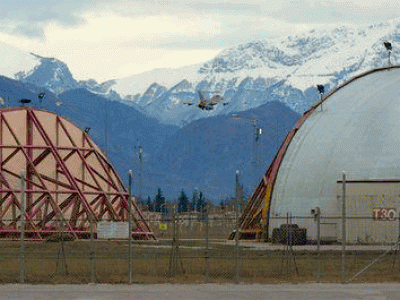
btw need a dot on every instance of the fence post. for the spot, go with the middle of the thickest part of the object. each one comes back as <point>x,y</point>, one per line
<point>287,249</point>
<point>318,215</point>
<point>343,256</point>
<point>22,228</point>
<point>61,265</point>
<point>237,233</point>
<point>207,245</point>
<point>92,265</point>
<point>130,228</point>
<point>172,261</point>
<point>398,247</point>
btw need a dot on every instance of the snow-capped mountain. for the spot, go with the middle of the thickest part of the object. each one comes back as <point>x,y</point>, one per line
<point>198,156</point>
<point>285,69</point>
<point>217,141</point>
<point>54,75</point>
<point>14,60</point>
<point>51,74</point>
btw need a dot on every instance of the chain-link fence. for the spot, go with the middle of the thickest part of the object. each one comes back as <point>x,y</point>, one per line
<point>197,250</point>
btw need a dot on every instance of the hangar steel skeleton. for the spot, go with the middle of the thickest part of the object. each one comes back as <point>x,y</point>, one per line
<point>254,221</point>
<point>68,178</point>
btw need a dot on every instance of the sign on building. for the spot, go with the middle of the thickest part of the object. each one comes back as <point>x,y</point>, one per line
<point>384,214</point>
<point>162,226</point>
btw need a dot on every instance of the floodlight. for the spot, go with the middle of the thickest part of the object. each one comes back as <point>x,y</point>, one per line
<point>321,90</point>
<point>388,46</point>
<point>258,133</point>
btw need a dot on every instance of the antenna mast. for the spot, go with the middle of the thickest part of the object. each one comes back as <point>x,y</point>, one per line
<point>140,175</point>
<point>255,151</point>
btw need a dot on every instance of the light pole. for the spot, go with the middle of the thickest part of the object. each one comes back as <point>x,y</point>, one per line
<point>255,146</point>
<point>388,47</point>
<point>321,90</point>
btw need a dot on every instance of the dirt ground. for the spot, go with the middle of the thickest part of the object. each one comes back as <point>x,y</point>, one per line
<point>79,262</point>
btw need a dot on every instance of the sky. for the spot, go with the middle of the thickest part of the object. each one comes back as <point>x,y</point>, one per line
<point>108,39</point>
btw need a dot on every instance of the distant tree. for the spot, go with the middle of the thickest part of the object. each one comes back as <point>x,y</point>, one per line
<point>201,205</point>
<point>222,204</point>
<point>242,198</point>
<point>150,204</point>
<point>199,202</point>
<point>192,204</point>
<point>159,202</point>
<point>183,202</point>
<point>230,203</point>
<point>141,202</point>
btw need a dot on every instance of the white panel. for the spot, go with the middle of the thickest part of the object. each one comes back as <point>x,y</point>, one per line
<point>113,230</point>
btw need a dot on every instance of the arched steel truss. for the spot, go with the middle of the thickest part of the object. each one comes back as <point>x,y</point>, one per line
<point>69,180</point>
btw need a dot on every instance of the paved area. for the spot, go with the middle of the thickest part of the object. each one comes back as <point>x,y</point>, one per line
<point>335,247</point>
<point>201,291</point>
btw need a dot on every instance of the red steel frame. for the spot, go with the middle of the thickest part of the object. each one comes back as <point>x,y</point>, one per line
<point>67,184</point>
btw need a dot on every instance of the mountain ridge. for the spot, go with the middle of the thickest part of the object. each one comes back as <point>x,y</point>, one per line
<point>272,80</point>
<point>285,69</point>
<point>203,154</point>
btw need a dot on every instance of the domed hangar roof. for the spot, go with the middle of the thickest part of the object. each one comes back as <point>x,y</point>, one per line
<point>56,178</point>
<point>356,131</point>
<point>355,128</point>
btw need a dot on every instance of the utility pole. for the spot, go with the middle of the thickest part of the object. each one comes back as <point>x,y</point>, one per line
<point>137,163</point>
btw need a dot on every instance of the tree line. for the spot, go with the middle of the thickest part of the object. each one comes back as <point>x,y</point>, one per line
<point>196,203</point>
